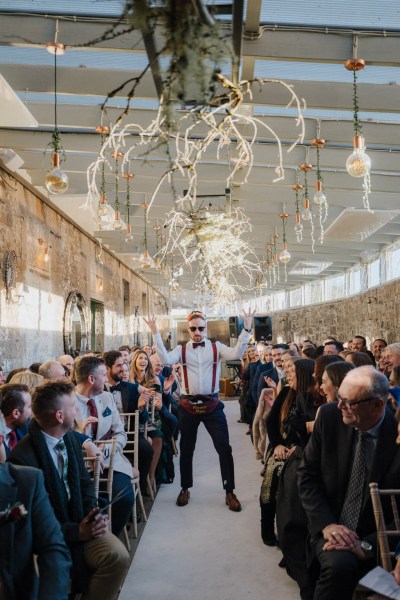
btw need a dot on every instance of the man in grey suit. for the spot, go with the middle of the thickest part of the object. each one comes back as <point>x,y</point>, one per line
<point>37,532</point>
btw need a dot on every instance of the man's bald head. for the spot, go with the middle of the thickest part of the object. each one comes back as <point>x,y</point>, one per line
<point>66,360</point>
<point>52,370</point>
<point>362,397</point>
<point>156,364</point>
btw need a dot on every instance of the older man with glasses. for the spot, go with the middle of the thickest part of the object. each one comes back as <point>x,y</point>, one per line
<point>353,444</point>
<point>201,367</point>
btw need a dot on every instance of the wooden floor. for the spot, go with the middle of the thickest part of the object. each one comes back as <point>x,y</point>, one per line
<point>204,551</point>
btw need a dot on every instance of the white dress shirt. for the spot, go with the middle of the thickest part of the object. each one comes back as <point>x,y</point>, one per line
<point>56,455</point>
<point>199,361</point>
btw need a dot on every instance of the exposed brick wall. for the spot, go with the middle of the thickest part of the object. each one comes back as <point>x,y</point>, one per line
<point>31,328</point>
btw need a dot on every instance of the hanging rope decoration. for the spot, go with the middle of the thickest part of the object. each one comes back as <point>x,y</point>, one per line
<point>129,239</point>
<point>319,196</point>
<point>285,255</point>
<point>307,214</point>
<point>117,225</point>
<point>298,228</point>
<point>102,208</point>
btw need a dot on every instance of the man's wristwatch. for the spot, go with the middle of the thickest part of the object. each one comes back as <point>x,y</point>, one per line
<point>367,548</point>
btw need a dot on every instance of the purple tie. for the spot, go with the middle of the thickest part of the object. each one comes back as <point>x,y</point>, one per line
<point>93,413</point>
<point>12,440</point>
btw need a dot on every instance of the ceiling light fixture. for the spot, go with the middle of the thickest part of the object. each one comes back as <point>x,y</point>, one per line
<point>56,180</point>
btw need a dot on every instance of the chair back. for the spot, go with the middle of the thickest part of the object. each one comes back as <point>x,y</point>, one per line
<point>92,463</point>
<point>151,412</point>
<point>109,447</point>
<point>131,424</point>
<point>381,526</point>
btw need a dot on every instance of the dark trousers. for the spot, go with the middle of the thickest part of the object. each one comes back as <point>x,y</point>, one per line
<point>339,574</point>
<point>121,510</point>
<point>217,427</point>
<point>145,457</point>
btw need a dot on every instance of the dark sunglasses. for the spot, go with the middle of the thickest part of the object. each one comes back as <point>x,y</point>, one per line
<point>193,329</point>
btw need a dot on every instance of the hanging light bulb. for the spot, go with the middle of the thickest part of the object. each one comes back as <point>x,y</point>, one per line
<point>298,228</point>
<point>129,239</point>
<point>102,210</point>
<point>117,224</point>
<point>359,163</point>
<point>319,196</point>
<point>306,213</point>
<point>145,260</point>
<point>56,179</point>
<point>285,255</point>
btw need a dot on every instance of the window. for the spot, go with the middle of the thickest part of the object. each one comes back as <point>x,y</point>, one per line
<point>335,287</point>
<point>279,301</point>
<point>296,297</point>
<point>354,281</point>
<point>373,270</point>
<point>393,262</point>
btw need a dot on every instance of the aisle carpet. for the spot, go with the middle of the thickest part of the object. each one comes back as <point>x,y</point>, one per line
<point>204,551</point>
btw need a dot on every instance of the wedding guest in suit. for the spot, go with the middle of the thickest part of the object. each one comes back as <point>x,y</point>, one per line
<point>99,558</point>
<point>98,416</point>
<point>16,409</point>
<point>130,397</point>
<point>353,443</point>
<point>29,527</point>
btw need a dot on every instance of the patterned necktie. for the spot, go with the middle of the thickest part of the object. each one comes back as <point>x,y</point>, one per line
<point>196,345</point>
<point>12,440</point>
<point>63,462</point>
<point>93,413</point>
<point>353,501</point>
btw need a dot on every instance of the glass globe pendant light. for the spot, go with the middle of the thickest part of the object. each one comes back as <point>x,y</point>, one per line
<point>285,255</point>
<point>306,213</point>
<point>298,228</point>
<point>129,238</point>
<point>56,180</point>
<point>359,163</point>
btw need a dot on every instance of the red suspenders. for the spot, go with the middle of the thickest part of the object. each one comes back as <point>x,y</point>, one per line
<point>214,374</point>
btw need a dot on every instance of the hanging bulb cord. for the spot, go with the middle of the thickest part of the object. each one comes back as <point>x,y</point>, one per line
<point>305,184</point>
<point>145,229</point>
<point>56,133</point>
<point>116,182</point>
<point>319,176</point>
<point>284,230</point>
<point>357,124</point>
<point>128,199</point>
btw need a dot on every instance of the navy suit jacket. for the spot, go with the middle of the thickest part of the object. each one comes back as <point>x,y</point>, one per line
<point>264,370</point>
<point>38,533</point>
<point>129,397</point>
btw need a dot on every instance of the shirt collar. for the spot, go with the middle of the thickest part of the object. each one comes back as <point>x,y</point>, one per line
<point>374,431</point>
<point>50,440</point>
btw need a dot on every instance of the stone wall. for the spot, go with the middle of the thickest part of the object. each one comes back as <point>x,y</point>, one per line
<point>373,314</point>
<point>32,313</point>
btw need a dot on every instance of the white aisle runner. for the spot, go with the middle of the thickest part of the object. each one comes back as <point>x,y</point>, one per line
<point>204,551</point>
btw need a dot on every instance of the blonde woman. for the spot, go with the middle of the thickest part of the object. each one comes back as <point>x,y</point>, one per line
<point>32,380</point>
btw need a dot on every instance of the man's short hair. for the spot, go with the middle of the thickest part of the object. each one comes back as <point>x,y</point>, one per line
<point>46,369</point>
<point>378,383</point>
<point>393,348</point>
<point>111,356</point>
<point>196,314</point>
<point>86,366</point>
<point>35,367</point>
<point>338,345</point>
<point>379,340</point>
<point>124,347</point>
<point>361,337</point>
<point>11,397</point>
<point>281,346</point>
<point>46,399</point>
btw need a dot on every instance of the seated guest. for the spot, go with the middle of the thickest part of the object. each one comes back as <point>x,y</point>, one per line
<point>16,410</point>
<point>248,357</point>
<point>359,359</point>
<point>35,367</point>
<point>125,353</point>
<point>128,398</point>
<point>359,344</point>
<point>390,357</point>
<point>98,416</point>
<point>52,370</point>
<point>282,441</point>
<point>273,370</point>
<point>99,559</point>
<point>332,378</point>
<point>13,372</point>
<point>353,443</point>
<point>333,347</point>
<point>23,494</point>
<point>142,373</point>
<point>67,361</point>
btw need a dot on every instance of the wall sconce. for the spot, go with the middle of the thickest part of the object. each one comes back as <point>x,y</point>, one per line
<point>46,252</point>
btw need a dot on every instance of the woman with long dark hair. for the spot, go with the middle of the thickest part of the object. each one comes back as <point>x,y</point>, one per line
<point>282,441</point>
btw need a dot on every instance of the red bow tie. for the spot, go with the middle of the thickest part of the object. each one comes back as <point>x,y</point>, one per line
<point>196,345</point>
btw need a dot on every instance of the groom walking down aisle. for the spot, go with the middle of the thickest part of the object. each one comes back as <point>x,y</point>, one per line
<point>201,369</point>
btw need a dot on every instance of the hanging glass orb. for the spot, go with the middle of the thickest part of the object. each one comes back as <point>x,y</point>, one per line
<point>306,214</point>
<point>56,180</point>
<point>129,239</point>
<point>298,228</point>
<point>285,256</point>
<point>319,198</point>
<point>358,164</point>
<point>102,209</point>
<point>145,260</point>
<point>117,224</point>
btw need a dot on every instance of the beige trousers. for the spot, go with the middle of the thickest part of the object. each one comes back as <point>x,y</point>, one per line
<point>109,560</point>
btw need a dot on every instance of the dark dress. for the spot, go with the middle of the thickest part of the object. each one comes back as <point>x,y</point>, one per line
<point>290,516</point>
<point>273,466</point>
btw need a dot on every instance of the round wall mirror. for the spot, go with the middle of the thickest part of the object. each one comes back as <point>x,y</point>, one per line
<point>76,324</point>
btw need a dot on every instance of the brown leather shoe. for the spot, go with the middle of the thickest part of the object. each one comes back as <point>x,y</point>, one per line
<point>232,502</point>
<point>183,498</point>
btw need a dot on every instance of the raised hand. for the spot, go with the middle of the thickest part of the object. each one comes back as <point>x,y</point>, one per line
<point>151,322</point>
<point>248,318</point>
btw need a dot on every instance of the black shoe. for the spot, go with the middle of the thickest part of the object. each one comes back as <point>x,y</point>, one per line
<point>270,541</point>
<point>282,563</point>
